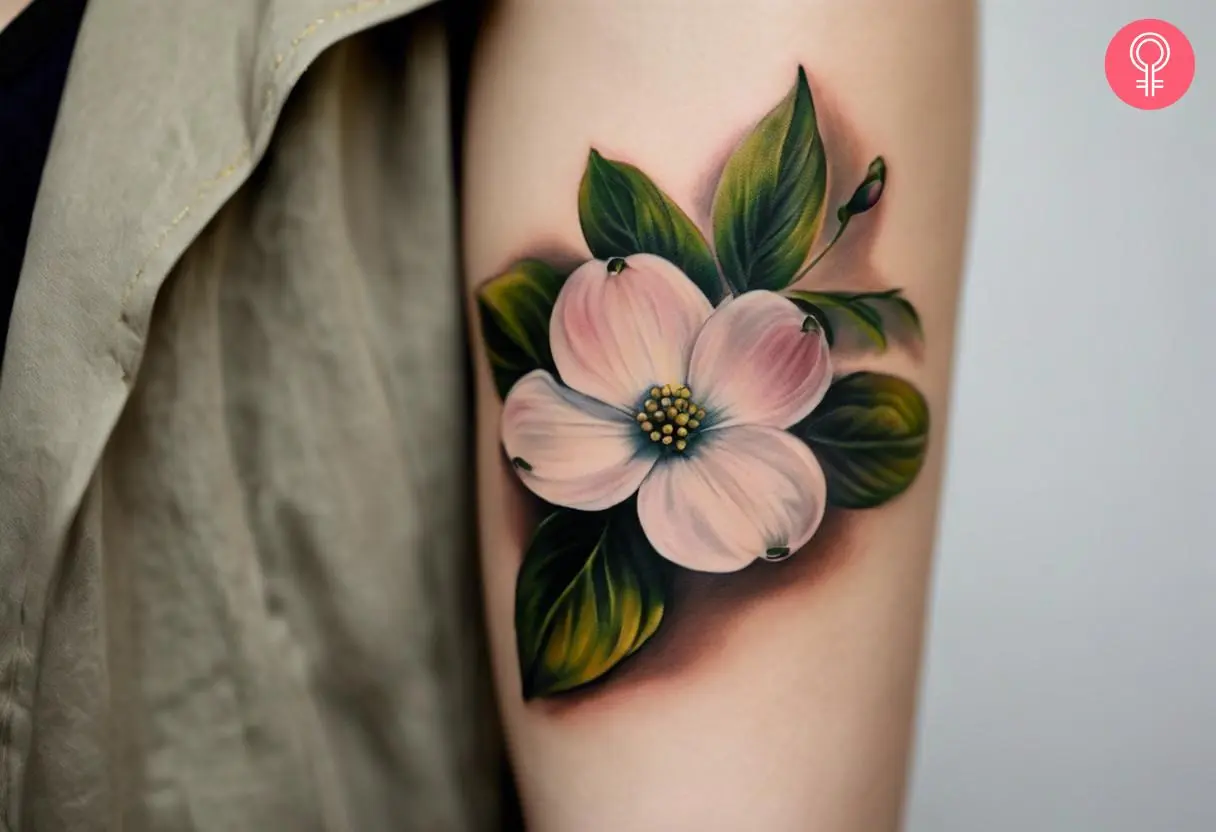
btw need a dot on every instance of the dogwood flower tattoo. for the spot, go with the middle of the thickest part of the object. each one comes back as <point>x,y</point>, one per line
<point>681,403</point>
<point>675,407</point>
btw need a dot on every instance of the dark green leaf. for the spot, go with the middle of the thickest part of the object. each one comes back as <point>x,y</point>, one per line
<point>622,213</point>
<point>843,313</point>
<point>771,199</point>
<point>591,591</point>
<point>870,434</point>
<point>906,315</point>
<point>872,315</point>
<point>515,308</point>
<point>821,317</point>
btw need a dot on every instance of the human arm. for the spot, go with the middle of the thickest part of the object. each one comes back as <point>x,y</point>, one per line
<point>710,691</point>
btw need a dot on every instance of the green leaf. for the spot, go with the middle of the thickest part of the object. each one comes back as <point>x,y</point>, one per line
<point>622,212</point>
<point>515,308</point>
<point>842,313</point>
<point>872,315</point>
<point>870,434</point>
<point>905,314</point>
<point>822,318</point>
<point>591,591</point>
<point>770,201</point>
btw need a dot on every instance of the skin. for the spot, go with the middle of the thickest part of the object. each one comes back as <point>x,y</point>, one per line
<point>9,9</point>
<point>781,700</point>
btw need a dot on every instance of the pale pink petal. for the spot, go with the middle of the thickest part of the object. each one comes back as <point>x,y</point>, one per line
<point>569,449</point>
<point>615,335</point>
<point>742,493</point>
<point>758,361</point>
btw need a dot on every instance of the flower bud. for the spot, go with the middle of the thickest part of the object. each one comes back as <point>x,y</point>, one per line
<point>868,192</point>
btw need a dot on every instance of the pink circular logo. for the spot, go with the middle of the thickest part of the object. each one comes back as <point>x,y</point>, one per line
<point>1150,64</point>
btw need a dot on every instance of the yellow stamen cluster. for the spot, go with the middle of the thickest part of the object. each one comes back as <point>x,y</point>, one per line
<point>669,415</point>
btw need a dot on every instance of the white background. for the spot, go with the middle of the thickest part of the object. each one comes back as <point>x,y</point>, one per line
<point>1071,668</point>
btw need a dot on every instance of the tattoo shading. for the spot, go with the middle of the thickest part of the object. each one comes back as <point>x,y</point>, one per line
<point>674,406</point>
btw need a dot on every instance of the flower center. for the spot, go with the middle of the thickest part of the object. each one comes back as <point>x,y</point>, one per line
<point>668,416</point>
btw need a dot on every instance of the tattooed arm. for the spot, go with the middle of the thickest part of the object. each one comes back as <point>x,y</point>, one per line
<point>713,251</point>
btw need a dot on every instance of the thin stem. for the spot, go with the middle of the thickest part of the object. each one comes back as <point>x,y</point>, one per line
<point>826,249</point>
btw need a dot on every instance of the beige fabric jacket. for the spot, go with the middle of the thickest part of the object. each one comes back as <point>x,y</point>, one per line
<point>236,572</point>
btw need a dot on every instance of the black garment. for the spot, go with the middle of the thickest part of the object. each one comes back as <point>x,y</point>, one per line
<point>35,49</point>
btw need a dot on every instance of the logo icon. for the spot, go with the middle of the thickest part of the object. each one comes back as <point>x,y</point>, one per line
<point>1150,83</point>
<point>1150,64</point>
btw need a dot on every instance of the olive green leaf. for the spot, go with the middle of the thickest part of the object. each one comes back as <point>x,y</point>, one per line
<point>622,212</point>
<point>770,201</point>
<point>515,308</point>
<point>873,315</point>
<point>591,591</point>
<point>869,433</point>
